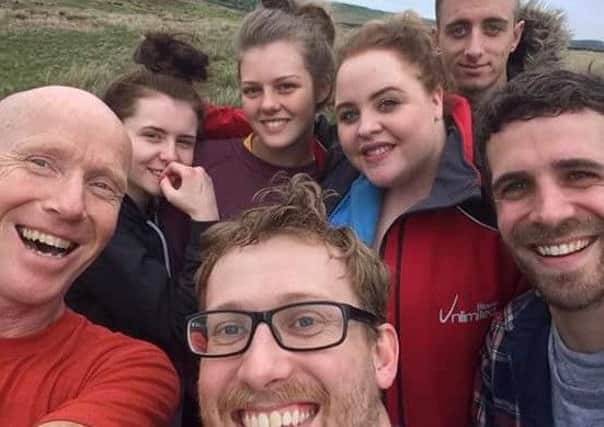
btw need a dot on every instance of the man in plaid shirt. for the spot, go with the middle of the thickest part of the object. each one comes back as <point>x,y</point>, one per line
<point>542,141</point>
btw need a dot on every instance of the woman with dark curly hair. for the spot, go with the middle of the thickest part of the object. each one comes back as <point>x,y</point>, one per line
<point>132,287</point>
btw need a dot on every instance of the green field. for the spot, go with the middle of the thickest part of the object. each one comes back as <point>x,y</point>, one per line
<point>86,43</point>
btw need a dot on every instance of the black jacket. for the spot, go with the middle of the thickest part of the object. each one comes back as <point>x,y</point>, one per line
<point>130,288</point>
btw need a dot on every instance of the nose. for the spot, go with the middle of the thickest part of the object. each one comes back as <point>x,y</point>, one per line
<point>369,124</point>
<point>67,199</point>
<point>264,362</point>
<point>552,205</point>
<point>270,102</point>
<point>475,45</point>
<point>168,151</point>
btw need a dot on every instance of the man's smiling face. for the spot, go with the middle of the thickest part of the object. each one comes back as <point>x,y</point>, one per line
<point>476,38</point>
<point>62,176</point>
<point>548,186</point>
<point>268,385</point>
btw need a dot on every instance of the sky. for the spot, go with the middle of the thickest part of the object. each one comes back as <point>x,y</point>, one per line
<point>584,16</point>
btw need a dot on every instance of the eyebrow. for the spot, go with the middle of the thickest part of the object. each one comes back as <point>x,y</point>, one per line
<point>501,22</point>
<point>584,163</point>
<point>457,22</point>
<point>465,21</point>
<point>153,128</point>
<point>162,131</point>
<point>290,76</point>
<point>285,299</point>
<point>278,79</point>
<point>50,148</point>
<point>373,96</point>
<point>509,177</point>
<point>237,306</point>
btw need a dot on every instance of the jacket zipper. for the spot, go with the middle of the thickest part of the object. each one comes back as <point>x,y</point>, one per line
<point>164,246</point>
<point>397,305</point>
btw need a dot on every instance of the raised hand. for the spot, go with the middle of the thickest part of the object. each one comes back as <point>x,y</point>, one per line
<point>191,190</point>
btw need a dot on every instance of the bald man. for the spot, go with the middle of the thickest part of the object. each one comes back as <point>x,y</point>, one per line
<point>64,158</point>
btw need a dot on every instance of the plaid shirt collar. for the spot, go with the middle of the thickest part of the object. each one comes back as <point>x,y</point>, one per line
<point>513,385</point>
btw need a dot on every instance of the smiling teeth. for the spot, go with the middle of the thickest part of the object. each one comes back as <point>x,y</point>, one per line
<point>377,151</point>
<point>47,239</point>
<point>274,124</point>
<point>276,418</point>
<point>563,249</point>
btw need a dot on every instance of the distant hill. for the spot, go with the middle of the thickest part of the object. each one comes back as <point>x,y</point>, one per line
<point>355,15</point>
<point>594,45</point>
<point>236,4</point>
<point>349,15</point>
<point>343,13</point>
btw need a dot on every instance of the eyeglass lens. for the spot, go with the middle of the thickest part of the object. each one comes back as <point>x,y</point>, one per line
<point>298,327</point>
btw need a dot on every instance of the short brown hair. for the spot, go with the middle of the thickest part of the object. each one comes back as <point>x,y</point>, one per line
<point>408,36</point>
<point>534,94</point>
<point>438,5</point>
<point>296,209</point>
<point>308,25</point>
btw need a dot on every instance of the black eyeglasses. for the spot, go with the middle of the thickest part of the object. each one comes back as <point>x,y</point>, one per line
<point>305,326</point>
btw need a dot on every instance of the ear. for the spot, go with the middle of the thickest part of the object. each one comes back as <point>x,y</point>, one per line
<point>385,356</point>
<point>438,97</point>
<point>518,30</point>
<point>323,92</point>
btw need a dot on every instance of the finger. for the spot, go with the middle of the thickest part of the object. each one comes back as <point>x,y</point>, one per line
<point>166,187</point>
<point>174,177</point>
<point>174,168</point>
<point>201,170</point>
<point>206,179</point>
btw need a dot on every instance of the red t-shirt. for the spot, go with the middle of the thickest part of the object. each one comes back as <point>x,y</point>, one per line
<point>83,373</point>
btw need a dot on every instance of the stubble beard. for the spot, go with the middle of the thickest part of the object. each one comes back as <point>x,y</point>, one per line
<point>568,291</point>
<point>354,405</point>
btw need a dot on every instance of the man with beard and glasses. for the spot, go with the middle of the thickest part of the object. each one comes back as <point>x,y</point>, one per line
<point>543,145</point>
<point>292,328</point>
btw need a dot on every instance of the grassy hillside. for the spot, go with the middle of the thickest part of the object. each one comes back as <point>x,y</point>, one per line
<point>86,43</point>
<point>350,14</point>
<point>243,5</point>
<point>343,13</point>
